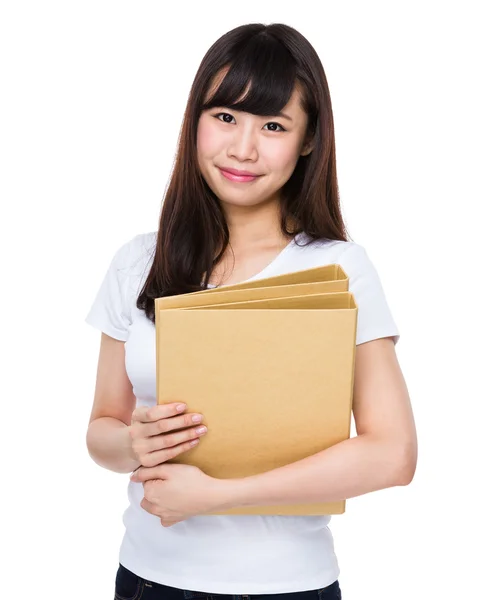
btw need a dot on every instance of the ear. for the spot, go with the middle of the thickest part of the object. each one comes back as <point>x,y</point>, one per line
<point>307,148</point>
<point>308,145</point>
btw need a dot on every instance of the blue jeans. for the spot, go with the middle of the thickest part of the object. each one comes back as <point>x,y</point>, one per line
<point>129,586</point>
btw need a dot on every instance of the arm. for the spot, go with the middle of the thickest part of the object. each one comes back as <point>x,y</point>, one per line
<point>108,436</point>
<point>109,445</point>
<point>384,453</point>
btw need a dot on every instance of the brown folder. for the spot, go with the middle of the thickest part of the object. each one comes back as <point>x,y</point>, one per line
<point>332,273</point>
<point>273,376</point>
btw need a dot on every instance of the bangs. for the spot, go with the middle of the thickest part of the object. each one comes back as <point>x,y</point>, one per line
<point>268,68</point>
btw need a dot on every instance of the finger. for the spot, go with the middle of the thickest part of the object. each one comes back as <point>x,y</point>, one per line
<point>167,523</point>
<point>168,424</point>
<point>153,490</point>
<point>145,414</point>
<point>149,507</point>
<point>168,440</point>
<point>153,459</point>
<point>145,473</point>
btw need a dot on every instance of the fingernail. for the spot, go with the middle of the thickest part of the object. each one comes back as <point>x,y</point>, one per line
<point>180,407</point>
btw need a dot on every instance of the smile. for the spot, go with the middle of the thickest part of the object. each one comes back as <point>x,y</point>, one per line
<point>238,178</point>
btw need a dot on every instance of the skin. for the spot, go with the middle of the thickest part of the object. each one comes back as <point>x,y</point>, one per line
<point>268,146</point>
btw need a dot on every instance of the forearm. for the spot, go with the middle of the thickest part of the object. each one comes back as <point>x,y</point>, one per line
<point>350,468</point>
<point>109,445</point>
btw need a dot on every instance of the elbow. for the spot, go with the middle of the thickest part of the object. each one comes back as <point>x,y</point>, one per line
<point>407,465</point>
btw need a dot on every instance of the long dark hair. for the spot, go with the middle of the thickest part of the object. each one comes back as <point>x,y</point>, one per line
<point>273,59</point>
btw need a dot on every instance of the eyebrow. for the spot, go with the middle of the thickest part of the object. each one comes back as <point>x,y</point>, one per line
<point>281,114</point>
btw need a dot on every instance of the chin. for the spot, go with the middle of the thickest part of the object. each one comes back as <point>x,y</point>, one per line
<point>246,201</point>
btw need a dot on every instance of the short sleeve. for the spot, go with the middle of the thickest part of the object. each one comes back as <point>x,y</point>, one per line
<point>110,312</point>
<point>374,317</point>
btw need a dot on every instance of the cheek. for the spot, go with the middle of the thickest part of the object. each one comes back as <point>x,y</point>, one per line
<point>206,141</point>
<point>282,157</point>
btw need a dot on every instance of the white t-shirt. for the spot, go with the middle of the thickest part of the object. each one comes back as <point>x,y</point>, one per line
<point>237,554</point>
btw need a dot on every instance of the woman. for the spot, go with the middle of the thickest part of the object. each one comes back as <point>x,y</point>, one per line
<point>253,194</point>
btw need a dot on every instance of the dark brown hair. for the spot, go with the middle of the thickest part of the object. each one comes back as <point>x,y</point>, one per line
<point>273,59</point>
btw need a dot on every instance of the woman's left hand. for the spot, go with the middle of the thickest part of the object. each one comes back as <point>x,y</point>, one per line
<point>175,492</point>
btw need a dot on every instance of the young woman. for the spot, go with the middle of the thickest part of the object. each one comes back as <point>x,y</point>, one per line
<point>253,194</point>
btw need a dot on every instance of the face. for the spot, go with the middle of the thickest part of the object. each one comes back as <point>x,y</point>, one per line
<point>266,147</point>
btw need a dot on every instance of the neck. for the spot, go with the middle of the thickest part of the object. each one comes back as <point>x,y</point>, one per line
<point>254,226</point>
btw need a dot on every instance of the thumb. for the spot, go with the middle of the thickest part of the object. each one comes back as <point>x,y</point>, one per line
<point>146,473</point>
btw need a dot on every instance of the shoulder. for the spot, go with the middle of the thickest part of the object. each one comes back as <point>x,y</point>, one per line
<point>355,261</point>
<point>132,261</point>
<point>348,254</point>
<point>352,257</point>
<point>129,256</point>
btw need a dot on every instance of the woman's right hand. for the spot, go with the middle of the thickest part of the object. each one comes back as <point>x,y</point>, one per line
<point>152,442</point>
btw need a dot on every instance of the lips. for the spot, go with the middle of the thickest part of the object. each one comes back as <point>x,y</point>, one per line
<point>238,176</point>
<point>239,173</point>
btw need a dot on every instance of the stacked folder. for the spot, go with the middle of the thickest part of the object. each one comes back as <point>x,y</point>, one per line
<point>270,365</point>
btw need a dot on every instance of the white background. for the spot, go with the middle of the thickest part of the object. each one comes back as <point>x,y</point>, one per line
<point>92,98</point>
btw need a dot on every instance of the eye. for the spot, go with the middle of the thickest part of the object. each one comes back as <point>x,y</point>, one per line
<point>222,113</point>
<point>218,115</point>
<point>277,125</point>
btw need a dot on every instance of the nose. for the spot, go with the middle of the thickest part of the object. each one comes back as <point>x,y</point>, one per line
<point>243,145</point>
